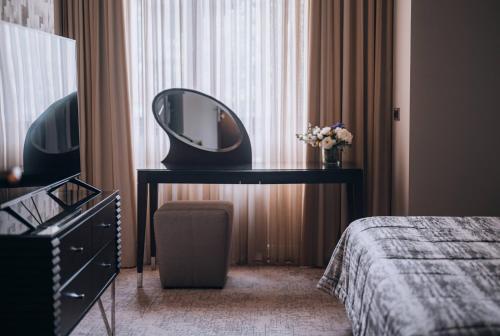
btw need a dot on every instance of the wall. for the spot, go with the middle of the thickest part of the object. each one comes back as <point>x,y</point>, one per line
<point>454,97</point>
<point>401,99</point>
<point>455,107</point>
<point>38,14</point>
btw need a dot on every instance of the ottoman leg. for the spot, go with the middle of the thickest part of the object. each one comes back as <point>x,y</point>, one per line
<point>153,206</point>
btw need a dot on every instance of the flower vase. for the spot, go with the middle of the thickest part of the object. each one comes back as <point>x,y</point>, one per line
<point>332,157</point>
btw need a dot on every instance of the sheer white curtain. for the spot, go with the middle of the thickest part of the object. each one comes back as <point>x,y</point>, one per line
<point>250,54</point>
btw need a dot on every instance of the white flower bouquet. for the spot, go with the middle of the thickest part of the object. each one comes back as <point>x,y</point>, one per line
<point>327,137</point>
<point>332,139</point>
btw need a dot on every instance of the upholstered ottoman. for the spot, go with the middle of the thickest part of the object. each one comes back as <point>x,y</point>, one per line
<point>193,240</point>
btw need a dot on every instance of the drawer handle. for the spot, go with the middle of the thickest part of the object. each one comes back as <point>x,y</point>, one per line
<point>105,265</point>
<point>104,225</point>
<point>76,249</point>
<point>74,295</point>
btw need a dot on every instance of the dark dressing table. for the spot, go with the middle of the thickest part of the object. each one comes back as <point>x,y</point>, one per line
<point>59,251</point>
<point>210,145</point>
<point>149,178</point>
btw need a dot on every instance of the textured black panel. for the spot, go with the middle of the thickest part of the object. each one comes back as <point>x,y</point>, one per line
<point>39,269</point>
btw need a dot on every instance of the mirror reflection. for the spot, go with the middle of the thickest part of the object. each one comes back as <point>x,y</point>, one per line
<point>56,130</point>
<point>197,119</point>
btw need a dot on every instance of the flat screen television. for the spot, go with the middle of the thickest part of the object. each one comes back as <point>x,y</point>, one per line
<point>38,105</point>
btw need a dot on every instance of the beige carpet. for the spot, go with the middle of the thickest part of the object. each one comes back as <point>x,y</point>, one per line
<point>256,301</point>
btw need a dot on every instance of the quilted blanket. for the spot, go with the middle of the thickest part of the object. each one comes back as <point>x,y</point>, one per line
<point>418,275</point>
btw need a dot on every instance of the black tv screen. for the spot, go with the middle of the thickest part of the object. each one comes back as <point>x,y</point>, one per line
<point>38,105</point>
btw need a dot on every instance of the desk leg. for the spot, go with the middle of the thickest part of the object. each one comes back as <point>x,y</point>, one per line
<point>153,206</point>
<point>142,202</point>
<point>351,207</point>
<point>359,211</point>
<point>355,208</point>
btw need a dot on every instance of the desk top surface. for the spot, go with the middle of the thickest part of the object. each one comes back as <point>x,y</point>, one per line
<point>254,167</point>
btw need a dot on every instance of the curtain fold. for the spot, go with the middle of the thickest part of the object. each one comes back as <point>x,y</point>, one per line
<point>350,80</point>
<point>251,55</point>
<point>105,142</point>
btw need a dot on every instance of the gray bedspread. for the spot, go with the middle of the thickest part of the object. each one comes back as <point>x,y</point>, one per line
<point>418,275</point>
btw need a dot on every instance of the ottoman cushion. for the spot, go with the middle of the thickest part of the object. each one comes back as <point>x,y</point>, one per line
<point>193,240</point>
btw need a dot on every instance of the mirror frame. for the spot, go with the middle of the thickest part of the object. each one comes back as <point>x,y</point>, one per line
<point>183,152</point>
<point>39,164</point>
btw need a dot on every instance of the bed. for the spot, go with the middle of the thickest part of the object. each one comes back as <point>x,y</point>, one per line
<point>418,275</point>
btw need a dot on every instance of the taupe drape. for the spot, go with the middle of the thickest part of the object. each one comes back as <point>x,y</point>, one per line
<point>105,133</point>
<point>350,80</point>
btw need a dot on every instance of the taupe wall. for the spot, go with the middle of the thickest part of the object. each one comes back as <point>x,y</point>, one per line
<point>454,151</point>
<point>401,99</point>
<point>38,14</point>
<point>455,107</point>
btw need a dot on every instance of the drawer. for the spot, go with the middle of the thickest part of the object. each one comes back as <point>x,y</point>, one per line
<point>104,266</point>
<point>79,245</point>
<point>81,292</point>
<point>76,297</point>
<point>103,227</point>
<point>76,250</point>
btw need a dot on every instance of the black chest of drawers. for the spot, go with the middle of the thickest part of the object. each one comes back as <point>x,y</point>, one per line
<point>55,271</point>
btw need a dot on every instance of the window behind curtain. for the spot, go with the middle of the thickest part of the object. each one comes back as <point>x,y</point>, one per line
<point>251,55</point>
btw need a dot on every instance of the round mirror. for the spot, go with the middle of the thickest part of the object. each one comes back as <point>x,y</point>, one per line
<point>52,146</point>
<point>197,119</point>
<point>55,131</point>
<point>201,129</point>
